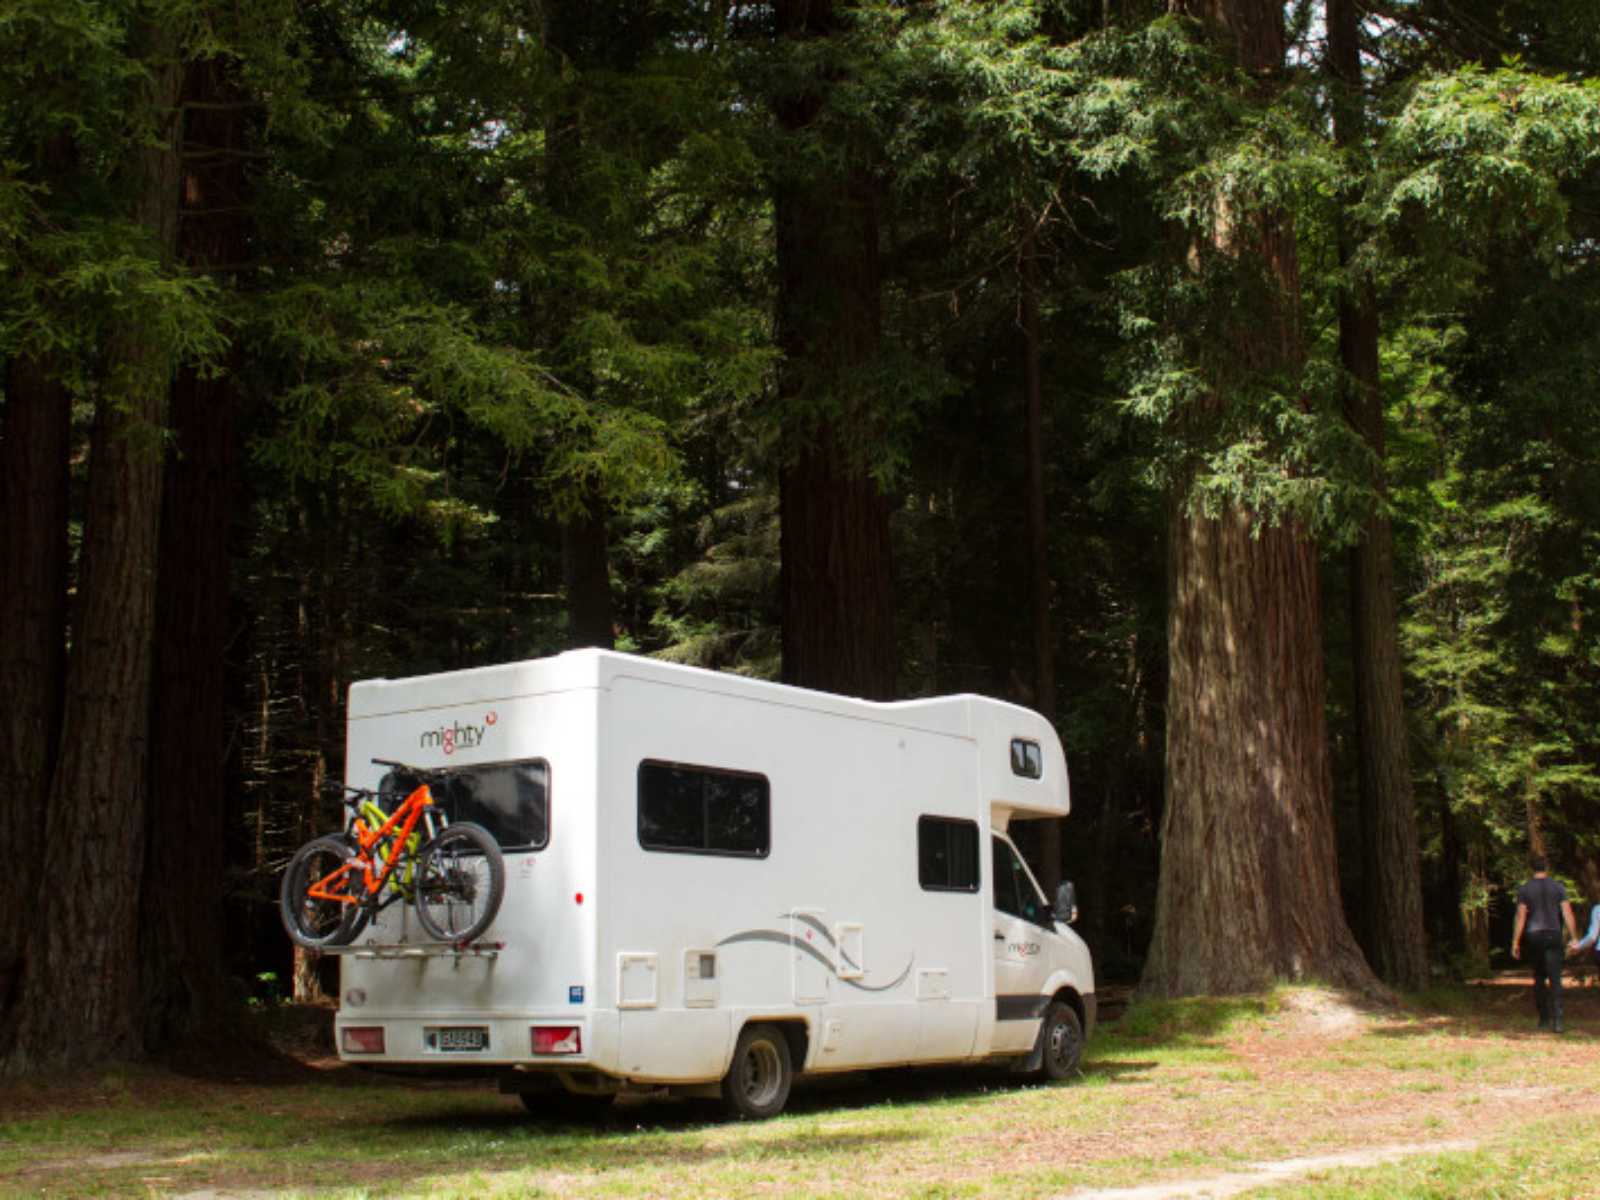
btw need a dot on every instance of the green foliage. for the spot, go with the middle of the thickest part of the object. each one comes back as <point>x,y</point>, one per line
<point>1472,157</point>
<point>501,274</point>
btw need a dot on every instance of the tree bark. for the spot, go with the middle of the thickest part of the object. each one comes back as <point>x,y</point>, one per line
<point>1248,891</point>
<point>585,567</point>
<point>79,998</point>
<point>1044,644</point>
<point>34,444</point>
<point>1391,864</point>
<point>1452,928</point>
<point>181,930</point>
<point>836,581</point>
<point>575,33</point>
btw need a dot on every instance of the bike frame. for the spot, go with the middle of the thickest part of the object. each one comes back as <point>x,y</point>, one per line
<point>400,824</point>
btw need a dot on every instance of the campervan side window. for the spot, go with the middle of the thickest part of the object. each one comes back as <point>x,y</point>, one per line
<point>510,800</point>
<point>701,810</point>
<point>947,854</point>
<point>1026,758</point>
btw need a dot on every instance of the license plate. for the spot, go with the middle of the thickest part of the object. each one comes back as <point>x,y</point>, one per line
<point>459,1038</point>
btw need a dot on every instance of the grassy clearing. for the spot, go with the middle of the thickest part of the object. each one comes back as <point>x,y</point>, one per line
<point>1545,1160</point>
<point>1170,1092</point>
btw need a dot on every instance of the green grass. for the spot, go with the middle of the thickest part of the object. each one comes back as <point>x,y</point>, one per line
<point>1546,1159</point>
<point>1171,1091</point>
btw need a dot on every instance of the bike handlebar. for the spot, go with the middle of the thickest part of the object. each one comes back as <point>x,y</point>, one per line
<point>351,797</point>
<point>420,772</point>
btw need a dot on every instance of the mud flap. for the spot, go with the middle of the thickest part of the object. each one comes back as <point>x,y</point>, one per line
<point>1034,1062</point>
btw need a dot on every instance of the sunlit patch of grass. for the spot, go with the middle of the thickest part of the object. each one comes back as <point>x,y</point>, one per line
<point>1186,1031</point>
<point>1543,1161</point>
<point>1202,1017</point>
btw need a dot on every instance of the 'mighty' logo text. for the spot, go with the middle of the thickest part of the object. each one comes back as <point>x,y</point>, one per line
<point>457,736</point>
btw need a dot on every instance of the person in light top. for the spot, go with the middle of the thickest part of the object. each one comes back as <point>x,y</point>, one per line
<point>1591,940</point>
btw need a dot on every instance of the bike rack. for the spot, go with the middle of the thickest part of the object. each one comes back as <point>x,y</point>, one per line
<point>403,950</point>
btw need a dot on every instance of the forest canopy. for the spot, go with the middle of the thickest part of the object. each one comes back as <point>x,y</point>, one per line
<point>1217,377</point>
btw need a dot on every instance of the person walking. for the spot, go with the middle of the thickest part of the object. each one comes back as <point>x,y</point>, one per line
<point>1591,940</point>
<point>1542,907</point>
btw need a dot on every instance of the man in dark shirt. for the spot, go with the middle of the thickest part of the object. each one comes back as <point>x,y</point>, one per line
<point>1542,906</point>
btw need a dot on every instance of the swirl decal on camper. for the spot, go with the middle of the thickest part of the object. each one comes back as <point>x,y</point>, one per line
<point>778,938</point>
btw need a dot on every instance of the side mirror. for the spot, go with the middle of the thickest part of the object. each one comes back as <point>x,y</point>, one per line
<point>1066,903</point>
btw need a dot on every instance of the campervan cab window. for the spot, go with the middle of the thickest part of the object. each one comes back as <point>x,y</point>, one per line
<point>510,800</point>
<point>947,855</point>
<point>1014,891</point>
<point>702,810</point>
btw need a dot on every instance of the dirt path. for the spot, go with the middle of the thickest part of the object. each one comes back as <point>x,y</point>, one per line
<point>1213,1187</point>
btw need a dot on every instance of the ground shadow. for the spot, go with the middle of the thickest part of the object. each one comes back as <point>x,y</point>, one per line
<point>1499,1006</point>
<point>845,1092</point>
<point>1116,1070</point>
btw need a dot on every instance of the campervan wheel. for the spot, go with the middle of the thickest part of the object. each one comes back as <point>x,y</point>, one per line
<point>1061,1036</point>
<point>758,1081</point>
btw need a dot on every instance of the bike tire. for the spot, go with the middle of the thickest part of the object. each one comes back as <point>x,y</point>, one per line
<point>459,884</point>
<point>311,922</point>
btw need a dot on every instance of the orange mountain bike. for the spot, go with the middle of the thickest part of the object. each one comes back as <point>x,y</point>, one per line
<point>451,873</point>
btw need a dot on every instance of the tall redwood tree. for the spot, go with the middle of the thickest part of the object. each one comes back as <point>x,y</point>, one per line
<point>33,562</point>
<point>1390,866</point>
<point>78,998</point>
<point>836,578</point>
<point>181,935</point>
<point>1248,890</point>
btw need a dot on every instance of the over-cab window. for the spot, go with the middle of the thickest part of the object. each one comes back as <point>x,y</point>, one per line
<point>510,800</point>
<point>1026,758</point>
<point>703,810</point>
<point>947,854</point>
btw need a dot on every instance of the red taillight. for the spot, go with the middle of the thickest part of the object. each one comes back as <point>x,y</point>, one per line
<point>557,1039</point>
<point>362,1039</point>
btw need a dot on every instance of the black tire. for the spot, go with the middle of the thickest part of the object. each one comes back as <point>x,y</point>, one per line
<point>311,922</point>
<point>758,1080</point>
<point>1061,1043</point>
<point>460,882</point>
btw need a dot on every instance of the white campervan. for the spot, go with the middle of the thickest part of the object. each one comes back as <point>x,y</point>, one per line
<point>714,883</point>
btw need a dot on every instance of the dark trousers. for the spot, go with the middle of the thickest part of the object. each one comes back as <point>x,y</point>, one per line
<point>1544,954</point>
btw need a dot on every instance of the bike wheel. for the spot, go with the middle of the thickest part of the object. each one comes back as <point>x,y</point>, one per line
<point>314,922</point>
<point>460,881</point>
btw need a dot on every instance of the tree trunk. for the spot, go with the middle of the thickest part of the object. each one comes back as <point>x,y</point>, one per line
<point>34,442</point>
<point>181,938</point>
<point>1044,644</point>
<point>1248,891</point>
<point>1450,930</point>
<point>80,995</point>
<point>834,533</point>
<point>576,37</point>
<point>586,569</point>
<point>1474,904</point>
<point>1391,865</point>
<point>836,580</point>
